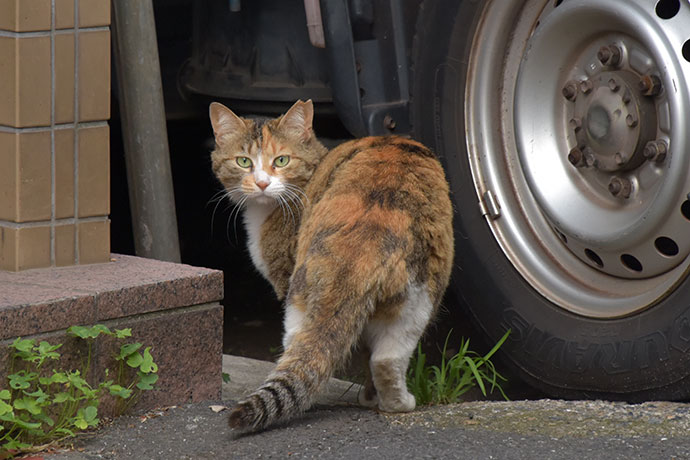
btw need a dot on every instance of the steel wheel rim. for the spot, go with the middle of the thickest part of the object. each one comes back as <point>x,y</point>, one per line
<point>521,184</point>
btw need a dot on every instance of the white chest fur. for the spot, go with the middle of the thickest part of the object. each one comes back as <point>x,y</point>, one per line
<point>255,215</point>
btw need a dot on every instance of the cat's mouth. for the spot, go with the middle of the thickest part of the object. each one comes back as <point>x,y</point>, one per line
<point>262,198</point>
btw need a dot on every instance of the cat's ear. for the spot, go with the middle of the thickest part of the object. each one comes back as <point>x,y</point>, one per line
<point>224,121</point>
<point>298,120</point>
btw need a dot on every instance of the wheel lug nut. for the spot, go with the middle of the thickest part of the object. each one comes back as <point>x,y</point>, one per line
<point>614,85</point>
<point>576,124</point>
<point>620,187</point>
<point>627,96</point>
<point>604,54</point>
<point>576,157</point>
<point>650,85</point>
<point>610,55</point>
<point>656,150</point>
<point>631,120</point>
<point>570,90</point>
<point>586,86</point>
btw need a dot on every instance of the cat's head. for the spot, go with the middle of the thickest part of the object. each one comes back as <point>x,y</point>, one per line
<point>263,161</point>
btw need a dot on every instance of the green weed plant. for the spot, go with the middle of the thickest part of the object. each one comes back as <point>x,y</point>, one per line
<point>445,384</point>
<point>42,406</point>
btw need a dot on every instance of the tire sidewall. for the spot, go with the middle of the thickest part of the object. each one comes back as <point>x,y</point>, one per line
<point>643,356</point>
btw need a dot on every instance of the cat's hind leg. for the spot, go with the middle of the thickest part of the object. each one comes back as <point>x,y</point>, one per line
<point>292,323</point>
<point>392,341</point>
<point>367,396</point>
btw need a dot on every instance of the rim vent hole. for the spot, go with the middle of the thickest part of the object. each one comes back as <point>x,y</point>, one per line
<point>557,3</point>
<point>594,257</point>
<point>631,262</point>
<point>685,209</point>
<point>686,50</point>
<point>666,246</point>
<point>666,9</point>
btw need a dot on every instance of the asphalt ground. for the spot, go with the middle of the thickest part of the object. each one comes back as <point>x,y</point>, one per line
<point>337,428</point>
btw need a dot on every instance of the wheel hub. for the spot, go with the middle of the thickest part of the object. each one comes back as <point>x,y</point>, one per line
<point>612,121</point>
<point>610,114</point>
<point>583,147</point>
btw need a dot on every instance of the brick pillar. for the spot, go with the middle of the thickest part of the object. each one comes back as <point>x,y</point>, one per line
<point>54,135</point>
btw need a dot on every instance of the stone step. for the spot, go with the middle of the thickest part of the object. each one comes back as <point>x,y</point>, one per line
<point>246,375</point>
<point>173,308</point>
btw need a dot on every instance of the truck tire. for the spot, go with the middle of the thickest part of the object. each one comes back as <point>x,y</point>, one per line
<point>562,128</point>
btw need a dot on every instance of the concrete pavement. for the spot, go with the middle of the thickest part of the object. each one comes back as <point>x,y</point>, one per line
<point>337,428</point>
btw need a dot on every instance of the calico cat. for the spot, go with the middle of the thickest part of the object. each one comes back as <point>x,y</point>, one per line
<point>358,242</point>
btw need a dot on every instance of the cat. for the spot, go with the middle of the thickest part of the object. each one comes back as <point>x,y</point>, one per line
<point>357,241</point>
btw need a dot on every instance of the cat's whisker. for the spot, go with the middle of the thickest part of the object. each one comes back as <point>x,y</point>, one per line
<point>236,211</point>
<point>295,187</point>
<point>282,208</point>
<point>286,207</point>
<point>215,208</point>
<point>297,191</point>
<point>292,215</point>
<point>291,192</point>
<point>234,194</point>
<point>295,199</point>
<point>279,200</point>
<point>218,198</point>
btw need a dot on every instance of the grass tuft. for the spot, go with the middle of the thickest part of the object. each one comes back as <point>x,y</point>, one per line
<point>445,384</point>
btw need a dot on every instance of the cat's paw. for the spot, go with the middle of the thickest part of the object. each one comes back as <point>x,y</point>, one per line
<point>367,397</point>
<point>403,402</point>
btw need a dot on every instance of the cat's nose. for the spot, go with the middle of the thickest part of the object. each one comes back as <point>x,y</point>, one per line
<point>261,184</point>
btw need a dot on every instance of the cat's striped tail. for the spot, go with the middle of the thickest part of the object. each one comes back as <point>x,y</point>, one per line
<point>308,362</point>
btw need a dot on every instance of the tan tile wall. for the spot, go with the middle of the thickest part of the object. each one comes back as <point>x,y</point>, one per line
<point>54,135</point>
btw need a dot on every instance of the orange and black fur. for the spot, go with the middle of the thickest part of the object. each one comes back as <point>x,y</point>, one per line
<point>358,241</point>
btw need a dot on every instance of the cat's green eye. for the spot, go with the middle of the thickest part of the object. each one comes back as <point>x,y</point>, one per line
<point>244,162</point>
<point>281,161</point>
